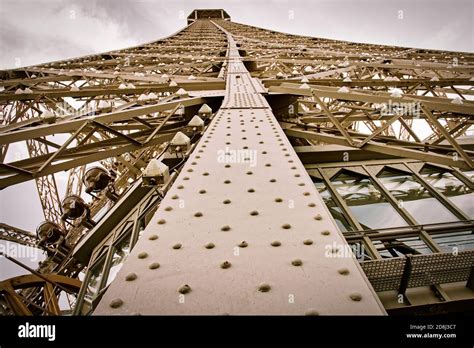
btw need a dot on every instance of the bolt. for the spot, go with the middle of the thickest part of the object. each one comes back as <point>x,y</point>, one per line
<point>225,265</point>
<point>154,265</point>
<point>311,312</point>
<point>130,277</point>
<point>116,303</point>
<point>184,289</point>
<point>143,255</point>
<point>243,244</point>
<point>296,262</point>
<point>343,271</point>
<point>355,296</point>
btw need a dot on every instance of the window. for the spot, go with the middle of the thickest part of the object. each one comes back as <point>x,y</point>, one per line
<point>450,186</point>
<point>335,211</point>
<point>93,284</point>
<point>366,203</point>
<point>120,252</point>
<point>415,198</point>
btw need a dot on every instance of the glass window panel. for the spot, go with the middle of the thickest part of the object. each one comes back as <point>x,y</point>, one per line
<point>450,186</point>
<point>93,284</point>
<point>461,240</point>
<point>402,246</point>
<point>366,203</point>
<point>120,253</point>
<point>335,211</point>
<point>415,198</point>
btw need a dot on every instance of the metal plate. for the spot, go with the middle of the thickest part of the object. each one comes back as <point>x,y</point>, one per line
<point>242,207</point>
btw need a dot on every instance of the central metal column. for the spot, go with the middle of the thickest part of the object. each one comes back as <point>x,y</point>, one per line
<point>243,230</point>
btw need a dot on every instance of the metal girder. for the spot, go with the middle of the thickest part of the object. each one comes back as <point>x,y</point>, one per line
<point>210,257</point>
<point>17,235</point>
<point>212,60</point>
<point>373,146</point>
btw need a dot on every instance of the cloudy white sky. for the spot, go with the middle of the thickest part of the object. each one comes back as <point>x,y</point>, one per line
<point>37,31</point>
<point>34,31</point>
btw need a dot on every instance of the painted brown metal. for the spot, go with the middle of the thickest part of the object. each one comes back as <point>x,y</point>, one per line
<point>241,238</point>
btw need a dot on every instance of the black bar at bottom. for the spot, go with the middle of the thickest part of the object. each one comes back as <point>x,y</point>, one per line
<point>140,330</point>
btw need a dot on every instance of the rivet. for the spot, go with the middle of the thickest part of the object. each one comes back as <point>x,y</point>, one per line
<point>190,170</point>
<point>301,184</point>
<point>226,201</point>
<point>142,255</point>
<point>278,200</point>
<point>343,271</point>
<point>251,190</point>
<point>153,237</point>
<point>243,244</point>
<point>168,208</point>
<point>318,217</point>
<point>249,173</point>
<point>184,289</point>
<point>311,205</point>
<point>311,312</point>
<point>161,222</point>
<point>296,262</point>
<point>355,296</point>
<point>225,264</point>
<point>227,182</point>
<point>154,265</point>
<point>130,277</point>
<point>275,243</point>
<point>272,180</point>
<point>264,287</point>
<point>286,226</point>
<point>205,174</point>
<point>227,166</point>
<point>198,214</point>
<point>307,242</point>
<point>175,197</point>
<point>186,178</point>
<point>202,191</point>
<point>225,228</point>
<point>116,303</point>
<point>254,213</point>
<point>325,233</point>
<point>177,246</point>
<point>209,245</point>
<point>268,165</point>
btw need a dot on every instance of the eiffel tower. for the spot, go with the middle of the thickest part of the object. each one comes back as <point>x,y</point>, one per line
<point>230,169</point>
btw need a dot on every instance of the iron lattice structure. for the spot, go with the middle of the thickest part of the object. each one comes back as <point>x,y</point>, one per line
<point>331,125</point>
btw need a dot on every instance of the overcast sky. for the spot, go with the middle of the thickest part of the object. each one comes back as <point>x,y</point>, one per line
<point>37,31</point>
<point>34,31</point>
